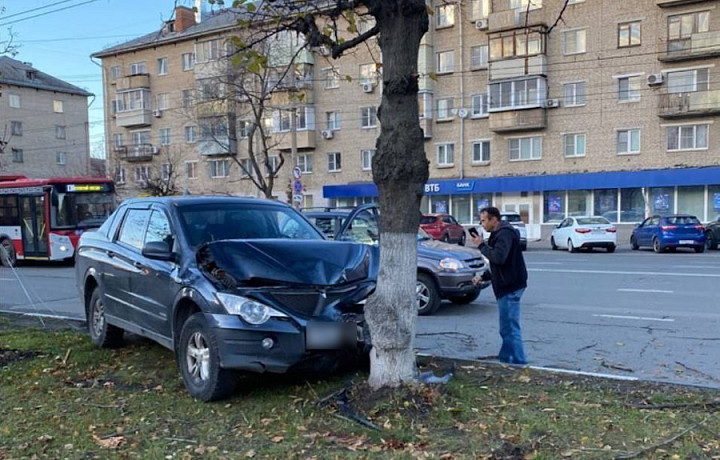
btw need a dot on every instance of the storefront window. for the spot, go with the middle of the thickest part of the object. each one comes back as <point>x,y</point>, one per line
<point>713,211</point>
<point>461,208</point>
<point>578,202</point>
<point>662,200</point>
<point>691,200</point>
<point>440,203</point>
<point>480,200</point>
<point>606,204</point>
<point>346,202</point>
<point>554,202</point>
<point>632,205</point>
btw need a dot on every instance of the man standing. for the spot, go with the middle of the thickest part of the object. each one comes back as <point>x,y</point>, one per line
<point>509,279</point>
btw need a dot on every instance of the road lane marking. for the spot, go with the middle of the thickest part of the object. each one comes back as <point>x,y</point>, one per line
<point>712,267</point>
<point>645,318</point>
<point>7,279</point>
<point>545,263</point>
<point>610,272</point>
<point>657,291</point>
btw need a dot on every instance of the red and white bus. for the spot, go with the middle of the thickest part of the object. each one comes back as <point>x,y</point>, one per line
<point>42,219</point>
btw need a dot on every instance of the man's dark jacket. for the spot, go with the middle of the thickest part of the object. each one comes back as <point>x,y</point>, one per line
<point>506,260</point>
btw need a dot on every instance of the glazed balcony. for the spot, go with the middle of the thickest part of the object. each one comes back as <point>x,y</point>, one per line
<point>305,140</point>
<point>703,45</point>
<point>519,67</point>
<point>136,153</point>
<point>688,105</point>
<point>514,18</point>
<point>134,118</point>
<point>132,82</point>
<point>518,120</point>
<point>217,146</point>
<point>669,3</point>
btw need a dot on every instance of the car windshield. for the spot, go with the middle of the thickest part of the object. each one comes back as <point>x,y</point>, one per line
<point>683,220</point>
<point>326,223</point>
<point>423,235</point>
<point>592,221</point>
<point>204,223</point>
<point>511,218</point>
<point>427,220</point>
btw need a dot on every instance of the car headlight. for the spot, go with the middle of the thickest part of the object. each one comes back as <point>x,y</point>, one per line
<point>250,310</point>
<point>451,264</point>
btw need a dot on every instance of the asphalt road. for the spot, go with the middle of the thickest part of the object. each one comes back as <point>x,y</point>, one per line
<point>635,314</point>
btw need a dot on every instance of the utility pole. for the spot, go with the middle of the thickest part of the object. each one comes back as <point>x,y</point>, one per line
<point>293,157</point>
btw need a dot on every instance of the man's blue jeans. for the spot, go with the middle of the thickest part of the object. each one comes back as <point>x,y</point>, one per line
<point>509,312</point>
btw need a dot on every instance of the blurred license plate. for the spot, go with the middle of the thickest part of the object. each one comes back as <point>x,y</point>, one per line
<point>687,242</point>
<point>328,335</point>
<point>598,230</point>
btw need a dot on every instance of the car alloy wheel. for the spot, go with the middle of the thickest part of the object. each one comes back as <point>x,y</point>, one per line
<point>656,246</point>
<point>709,243</point>
<point>102,334</point>
<point>462,239</point>
<point>198,357</point>
<point>428,296</point>
<point>446,238</point>
<point>571,246</point>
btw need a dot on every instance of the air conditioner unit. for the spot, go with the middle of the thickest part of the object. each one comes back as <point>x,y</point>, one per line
<point>368,87</point>
<point>327,134</point>
<point>552,103</point>
<point>655,79</point>
<point>481,24</point>
<point>157,113</point>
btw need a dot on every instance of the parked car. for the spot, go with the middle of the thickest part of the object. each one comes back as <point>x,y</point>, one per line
<point>516,221</point>
<point>712,234</point>
<point>587,232</point>
<point>228,284</point>
<point>669,233</point>
<point>443,227</point>
<point>445,271</point>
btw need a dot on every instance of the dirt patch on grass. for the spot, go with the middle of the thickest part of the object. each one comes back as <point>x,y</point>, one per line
<point>10,356</point>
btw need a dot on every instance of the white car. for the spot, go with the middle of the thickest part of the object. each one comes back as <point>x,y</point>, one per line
<point>584,232</point>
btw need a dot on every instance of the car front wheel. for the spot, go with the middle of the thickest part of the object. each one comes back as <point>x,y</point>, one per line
<point>709,243</point>
<point>199,362</point>
<point>428,295</point>
<point>102,334</point>
<point>570,246</point>
<point>633,244</point>
<point>462,240</point>
<point>552,243</point>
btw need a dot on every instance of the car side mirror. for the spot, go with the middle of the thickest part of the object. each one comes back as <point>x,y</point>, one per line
<point>158,250</point>
<point>637,225</point>
<point>558,225</point>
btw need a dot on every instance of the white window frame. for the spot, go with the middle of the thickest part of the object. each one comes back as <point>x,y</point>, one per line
<point>480,9</point>
<point>61,158</point>
<point>243,131</point>
<point>427,105</point>
<point>332,120</point>
<point>162,66</point>
<point>629,132</point>
<point>118,140</point>
<point>115,72</point>
<point>444,16</point>
<point>573,101</point>
<point>444,152</point>
<point>142,173</point>
<point>366,159</point>
<point>540,94</point>
<point>575,151</point>
<point>367,73</point>
<point>305,163</point>
<point>523,4</point>
<point>14,101</point>
<point>679,137</point>
<point>162,101</point>
<point>138,68</point>
<point>190,134</point>
<point>219,168</point>
<point>334,163</point>
<point>188,61</point>
<point>191,169</point>
<point>60,132</point>
<point>633,95</point>
<point>697,84</point>
<point>368,120</point>
<point>164,136</point>
<point>120,176</point>
<point>578,33</point>
<point>533,142</point>
<point>443,67</point>
<point>165,170</point>
<point>481,143</point>
<point>141,136</point>
<point>58,106</point>
<point>331,78</point>
<point>477,53</point>
<point>480,105</point>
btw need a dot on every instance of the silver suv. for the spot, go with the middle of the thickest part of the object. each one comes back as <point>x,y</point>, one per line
<point>516,221</point>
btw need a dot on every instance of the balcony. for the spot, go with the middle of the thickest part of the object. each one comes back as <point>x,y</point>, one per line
<point>217,146</point>
<point>136,153</point>
<point>519,67</point>
<point>669,3</point>
<point>426,125</point>
<point>688,105</point>
<point>134,118</point>
<point>213,108</point>
<point>286,96</point>
<point>702,45</point>
<point>518,120</point>
<point>305,140</point>
<point>514,18</point>
<point>132,82</point>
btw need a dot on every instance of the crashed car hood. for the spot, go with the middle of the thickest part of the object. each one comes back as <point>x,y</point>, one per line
<point>294,262</point>
<point>438,250</point>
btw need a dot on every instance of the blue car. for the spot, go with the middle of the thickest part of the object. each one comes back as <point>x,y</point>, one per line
<point>669,232</point>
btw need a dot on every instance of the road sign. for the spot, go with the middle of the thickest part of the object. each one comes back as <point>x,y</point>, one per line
<point>297,198</point>
<point>297,173</point>
<point>297,186</point>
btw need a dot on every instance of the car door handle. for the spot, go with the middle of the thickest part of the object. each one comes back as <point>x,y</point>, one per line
<point>139,265</point>
<point>111,254</point>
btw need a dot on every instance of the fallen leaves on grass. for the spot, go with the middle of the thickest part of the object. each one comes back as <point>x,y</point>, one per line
<point>111,442</point>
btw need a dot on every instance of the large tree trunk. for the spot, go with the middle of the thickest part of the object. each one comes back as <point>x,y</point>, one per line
<point>400,170</point>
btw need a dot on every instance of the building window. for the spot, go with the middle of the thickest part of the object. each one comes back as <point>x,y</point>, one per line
<point>164,136</point>
<point>332,121</point>
<point>59,132</point>
<point>479,105</point>
<point>366,159</point>
<point>191,169</point>
<point>445,61</point>
<point>683,26</point>
<point>243,129</point>
<point>425,105</point>
<point>525,4</point>
<point>17,155</point>
<point>687,81</point>
<point>162,101</point>
<point>517,43</point>
<point>689,137</point>
<point>509,95</point>
<point>14,101</point>
<point>629,88</point>
<point>331,78</point>
<point>187,98</point>
<point>334,162</point>
<point>574,42</point>
<point>479,9</point>
<point>165,171</point>
<point>445,154</point>
<point>162,67</point>
<point>368,117</point>
<point>478,57</point>
<point>444,109</point>
<point>525,148</point>
<point>138,68</point>
<point>208,50</point>
<point>304,162</point>
<point>480,151</point>
<point>628,141</point>
<point>188,61</point>
<point>141,137</point>
<point>190,134</point>
<point>272,165</point>
<point>58,106</point>
<point>16,128</point>
<point>445,16</point>
<point>629,34</point>
<point>574,145</point>
<point>219,168</point>
<point>574,94</point>
<point>209,89</point>
<point>118,140</point>
<point>115,72</point>
<point>368,74</point>
<point>141,173</point>
<point>120,176</point>
<point>60,158</point>
<point>246,168</point>
<point>137,99</point>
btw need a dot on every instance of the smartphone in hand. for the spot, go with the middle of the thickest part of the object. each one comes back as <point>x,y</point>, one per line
<point>473,232</point>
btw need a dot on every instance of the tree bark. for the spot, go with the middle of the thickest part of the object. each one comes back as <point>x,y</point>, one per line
<point>400,170</point>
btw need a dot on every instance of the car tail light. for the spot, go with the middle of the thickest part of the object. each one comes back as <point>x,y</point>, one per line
<point>665,228</point>
<point>700,227</point>
<point>582,230</point>
<point>611,230</point>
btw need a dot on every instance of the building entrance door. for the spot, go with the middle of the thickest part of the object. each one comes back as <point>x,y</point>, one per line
<point>525,209</point>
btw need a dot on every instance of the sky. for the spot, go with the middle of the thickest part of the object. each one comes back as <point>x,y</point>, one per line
<point>58,37</point>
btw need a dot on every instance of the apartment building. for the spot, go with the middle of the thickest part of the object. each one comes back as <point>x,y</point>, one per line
<point>610,111</point>
<point>43,123</point>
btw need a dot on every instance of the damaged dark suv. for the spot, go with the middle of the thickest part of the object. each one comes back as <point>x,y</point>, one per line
<point>228,284</point>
